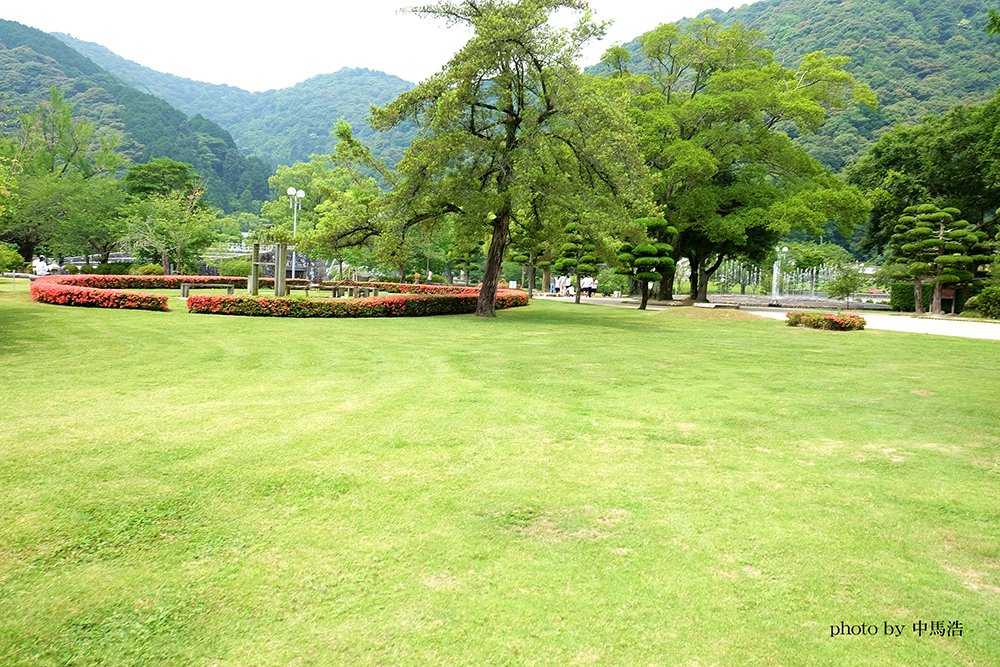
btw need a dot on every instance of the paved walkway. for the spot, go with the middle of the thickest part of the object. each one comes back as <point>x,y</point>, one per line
<point>875,319</point>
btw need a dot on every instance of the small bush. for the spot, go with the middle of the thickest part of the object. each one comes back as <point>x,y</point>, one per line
<point>112,269</point>
<point>972,314</point>
<point>988,303</point>
<point>843,322</point>
<point>87,269</point>
<point>150,270</point>
<point>10,260</point>
<point>972,303</point>
<point>71,269</point>
<point>235,267</point>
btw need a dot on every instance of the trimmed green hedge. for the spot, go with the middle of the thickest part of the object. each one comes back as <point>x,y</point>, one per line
<point>901,297</point>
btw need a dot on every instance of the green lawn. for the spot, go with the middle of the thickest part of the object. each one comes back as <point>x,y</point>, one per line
<point>562,485</point>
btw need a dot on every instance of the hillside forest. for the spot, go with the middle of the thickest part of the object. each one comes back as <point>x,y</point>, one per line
<point>701,143</point>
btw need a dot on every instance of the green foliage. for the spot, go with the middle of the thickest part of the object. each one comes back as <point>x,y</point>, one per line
<point>840,322</point>
<point>901,298</point>
<point>235,267</point>
<point>112,269</point>
<point>712,113</point>
<point>609,282</point>
<point>849,279</point>
<point>10,260</point>
<point>948,159</point>
<point>918,57</point>
<point>932,243</point>
<point>147,126</point>
<point>509,126</point>
<point>150,270</point>
<point>988,303</point>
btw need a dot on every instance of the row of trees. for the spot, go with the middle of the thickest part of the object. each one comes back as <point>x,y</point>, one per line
<point>519,155</point>
<point>558,169</point>
<point>66,190</point>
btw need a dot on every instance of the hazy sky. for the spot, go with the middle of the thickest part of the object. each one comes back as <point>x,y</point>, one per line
<point>259,46</point>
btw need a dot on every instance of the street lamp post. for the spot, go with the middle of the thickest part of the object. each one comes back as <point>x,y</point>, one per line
<point>294,203</point>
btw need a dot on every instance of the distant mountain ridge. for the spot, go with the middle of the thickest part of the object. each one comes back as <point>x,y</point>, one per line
<point>31,61</point>
<point>919,56</point>
<point>282,126</point>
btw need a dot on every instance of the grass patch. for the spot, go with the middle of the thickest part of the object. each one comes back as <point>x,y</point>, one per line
<point>561,485</point>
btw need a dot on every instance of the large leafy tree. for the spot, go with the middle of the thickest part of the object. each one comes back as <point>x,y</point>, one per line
<point>507,118</point>
<point>712,118</point>
<point>174,228</point>
<point>951,159</point>
<point>64,198</point>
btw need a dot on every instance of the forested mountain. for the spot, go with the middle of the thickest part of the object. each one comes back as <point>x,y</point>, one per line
<point>31,61</point>
<point>281,126</point>
<point>919,56</point>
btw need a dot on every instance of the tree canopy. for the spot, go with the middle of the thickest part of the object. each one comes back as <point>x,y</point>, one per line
<point>510,120</point>
<point>728,179</point>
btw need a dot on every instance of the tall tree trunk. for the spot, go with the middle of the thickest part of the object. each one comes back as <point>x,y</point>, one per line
<point>531,274</point>
<point>936,298</point>
<point>667,285</point>
<point>704,275</point>
<point>644,290</point>
<point>918,296</point>
<point>546,279</point>
<point>693,263</point>
<point>486,304</point>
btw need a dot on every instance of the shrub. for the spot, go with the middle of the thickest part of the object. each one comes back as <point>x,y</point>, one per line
<point>235,267</point>
<point>150,270</point>
<point>10,260</point>
<point>843,322</point>
<point>112,269</point>
<point>988,302</point>
<point>86,268</point>
<point>971,303</point>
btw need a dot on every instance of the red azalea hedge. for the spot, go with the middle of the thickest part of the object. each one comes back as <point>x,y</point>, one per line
<point>58,290</point>
<point>396,305</point>
<point>106,291</point>
<point>163,282</point>
<point>846,322</point>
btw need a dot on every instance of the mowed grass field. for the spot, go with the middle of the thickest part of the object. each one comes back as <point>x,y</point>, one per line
<point>564,485</point>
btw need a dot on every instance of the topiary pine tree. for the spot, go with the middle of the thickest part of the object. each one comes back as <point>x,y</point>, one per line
<point>932,243</point>
<point>646,263</point>
<point>577,255</point>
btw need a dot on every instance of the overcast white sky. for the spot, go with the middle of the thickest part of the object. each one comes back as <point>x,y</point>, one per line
<point>259,46</point>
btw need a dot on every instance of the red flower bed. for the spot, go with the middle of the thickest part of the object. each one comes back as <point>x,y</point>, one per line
<point>108,291</point>
<point>397,305</point>
<point>60,291</point>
